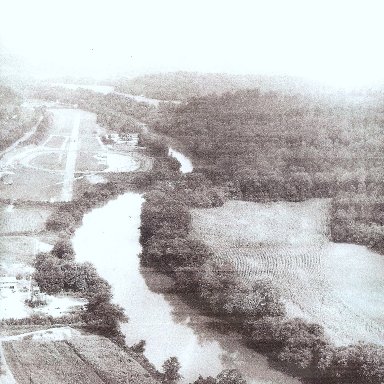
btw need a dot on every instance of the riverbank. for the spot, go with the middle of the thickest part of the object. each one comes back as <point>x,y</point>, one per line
<point>254,308</point>
<point>153,316</point>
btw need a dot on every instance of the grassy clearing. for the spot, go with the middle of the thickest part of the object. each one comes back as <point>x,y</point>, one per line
<point>22,219</point>
<point>33,185</point>
<point>55,141</point>
<point>17,253</point>
<point>288,244</point>
<point>51,161</point>
<point>90,162</point>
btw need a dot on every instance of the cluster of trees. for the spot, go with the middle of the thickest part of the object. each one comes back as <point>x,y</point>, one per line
<point>295,345</point>
<point>42,127</point>
<point>303,350</point>
<point>228,376</point>
<point>57,271</point>
<point>271,146</point>
<point>165,224</point>
<point>358,218</point>
<point>171,375</point>
<point>14,120</point>
<point>68,216</point>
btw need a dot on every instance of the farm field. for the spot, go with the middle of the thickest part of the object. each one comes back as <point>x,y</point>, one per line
<point>64,355</point>
<point>47,362</point>
<point>337,285</point>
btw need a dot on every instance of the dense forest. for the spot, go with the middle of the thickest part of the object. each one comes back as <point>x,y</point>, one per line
<point>271,146</point>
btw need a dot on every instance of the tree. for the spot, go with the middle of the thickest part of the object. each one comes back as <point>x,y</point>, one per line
<point>48,275</point>
<point>138,347</point>
<point>63,250</point>
<point>230,376</point>
<point>208,380</point>
<point>171,369</point>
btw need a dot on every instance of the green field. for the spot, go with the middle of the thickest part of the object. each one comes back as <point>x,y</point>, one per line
<point>287,243</point>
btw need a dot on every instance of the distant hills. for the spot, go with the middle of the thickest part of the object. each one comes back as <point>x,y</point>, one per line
<point>183,85</point>
<point>13,70</point>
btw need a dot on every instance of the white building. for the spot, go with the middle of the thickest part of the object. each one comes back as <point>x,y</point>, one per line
<point>8,282</point>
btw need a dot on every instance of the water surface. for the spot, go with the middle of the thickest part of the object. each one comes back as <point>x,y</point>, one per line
<point>109,238</point>
<point>186,163</point>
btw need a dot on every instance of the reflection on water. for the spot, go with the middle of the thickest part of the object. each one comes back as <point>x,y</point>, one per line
<point>109,238</point>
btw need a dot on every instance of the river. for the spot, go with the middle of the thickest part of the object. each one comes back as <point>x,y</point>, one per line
<point>186,163</point>
<point>109,239</point>
<point>107,89</point>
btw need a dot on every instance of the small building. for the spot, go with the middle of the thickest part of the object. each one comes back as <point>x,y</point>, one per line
<point>8,282</point>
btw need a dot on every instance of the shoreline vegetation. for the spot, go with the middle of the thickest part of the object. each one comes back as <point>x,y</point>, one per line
<point>292,345</point>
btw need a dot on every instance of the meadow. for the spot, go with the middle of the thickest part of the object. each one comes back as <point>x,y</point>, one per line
<point>336,285</point>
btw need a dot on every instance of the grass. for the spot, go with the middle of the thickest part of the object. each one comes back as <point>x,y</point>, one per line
<point>22,219</point>
<point>50,161</point>
<point>55,141</point>
<point>335,285</point>
<point>16,254</point>
<point>33,185</point>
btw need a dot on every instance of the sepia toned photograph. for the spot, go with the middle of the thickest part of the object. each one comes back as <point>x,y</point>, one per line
<point>191,192</point>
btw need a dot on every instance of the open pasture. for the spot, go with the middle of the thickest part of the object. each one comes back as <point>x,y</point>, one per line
<point>339,286</point>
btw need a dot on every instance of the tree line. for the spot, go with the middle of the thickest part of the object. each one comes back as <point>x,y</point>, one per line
<point>255,310</point>
<point>274,146</point>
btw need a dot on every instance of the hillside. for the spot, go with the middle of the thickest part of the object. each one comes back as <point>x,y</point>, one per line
<point>184,85</point>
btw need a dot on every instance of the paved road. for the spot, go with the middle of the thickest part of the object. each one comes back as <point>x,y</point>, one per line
<point>69,174</point>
